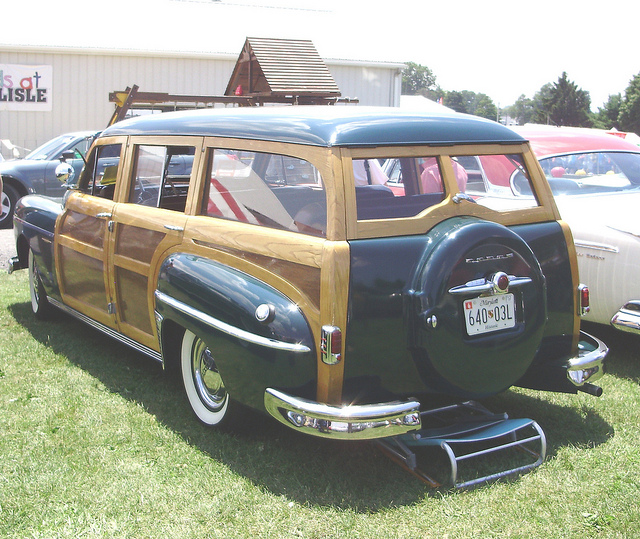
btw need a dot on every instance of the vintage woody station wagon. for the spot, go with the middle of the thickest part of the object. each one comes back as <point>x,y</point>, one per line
<point>264,253</point>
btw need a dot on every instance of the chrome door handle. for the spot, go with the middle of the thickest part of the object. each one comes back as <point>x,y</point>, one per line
<point>174,228</point>
<point>104,215</point>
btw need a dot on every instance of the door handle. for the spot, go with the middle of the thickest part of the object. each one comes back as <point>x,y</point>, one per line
<point>174,228</point>
<point>104,215</point>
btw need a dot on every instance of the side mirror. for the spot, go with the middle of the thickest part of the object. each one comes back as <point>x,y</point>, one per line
<point>67,154</point>
<point>66,174</point>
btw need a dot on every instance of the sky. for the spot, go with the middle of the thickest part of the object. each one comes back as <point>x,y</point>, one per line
<point>503,48</point>
<point>507,48</point>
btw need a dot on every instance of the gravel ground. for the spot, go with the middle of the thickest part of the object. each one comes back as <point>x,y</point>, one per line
<point>7,247</point>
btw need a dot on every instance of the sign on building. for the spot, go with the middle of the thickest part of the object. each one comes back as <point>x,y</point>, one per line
<point>26,87</point>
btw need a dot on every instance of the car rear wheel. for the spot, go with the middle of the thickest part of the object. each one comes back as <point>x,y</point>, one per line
<point>203,384</point>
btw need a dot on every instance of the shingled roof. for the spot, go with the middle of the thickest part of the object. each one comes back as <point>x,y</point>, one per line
<point>281,67</point>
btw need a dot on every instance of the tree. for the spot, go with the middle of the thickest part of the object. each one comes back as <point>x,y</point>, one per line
<point>629,117</point>
<point>484,107</point>
<point>607,116</point>
<point>563,103</point>
<point>522,110</point>
<point>471,103</point>
<point>417,79</point>
<point>540,114</point>
<point>436,94</point>
<point>456,101</point>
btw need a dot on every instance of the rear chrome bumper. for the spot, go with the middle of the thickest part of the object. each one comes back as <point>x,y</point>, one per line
<point>354,422</point>
<point>369,421</point>
<point>628,317</point>
<point>588,365</point>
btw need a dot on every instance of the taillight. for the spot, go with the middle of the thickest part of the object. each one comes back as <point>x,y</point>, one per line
<point>331,344</point>
<point>583,292</point>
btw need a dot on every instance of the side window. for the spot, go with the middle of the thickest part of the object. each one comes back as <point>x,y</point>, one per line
<point>265,189</point>
<point>102,171</point>
<point>161,176</point>
<point>286,170</point>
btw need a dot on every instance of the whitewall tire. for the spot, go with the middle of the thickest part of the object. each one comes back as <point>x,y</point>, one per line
<point>203,384</point>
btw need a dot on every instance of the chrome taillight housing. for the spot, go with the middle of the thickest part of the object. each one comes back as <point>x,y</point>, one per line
<point>331,344</point>
<point>583,293</point>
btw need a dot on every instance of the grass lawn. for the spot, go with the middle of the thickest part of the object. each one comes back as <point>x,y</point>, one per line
<point>97,442</point>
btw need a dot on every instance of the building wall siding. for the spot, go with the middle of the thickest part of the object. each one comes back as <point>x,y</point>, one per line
<point>82,81</point>
<point>373,86</point>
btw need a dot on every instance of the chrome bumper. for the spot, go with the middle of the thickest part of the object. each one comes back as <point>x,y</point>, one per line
<point>354,422</point>
<point>587,366</point>
<point>628,317</point>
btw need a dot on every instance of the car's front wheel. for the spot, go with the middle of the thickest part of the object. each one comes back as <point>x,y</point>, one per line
<point>39,303</point>
<point>7,206</point>
<point>203,384</point>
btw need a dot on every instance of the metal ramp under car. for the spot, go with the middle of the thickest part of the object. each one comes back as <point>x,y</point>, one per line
<point>466,432</point>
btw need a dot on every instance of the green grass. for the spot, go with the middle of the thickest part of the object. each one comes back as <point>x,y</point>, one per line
<point>97,442</point>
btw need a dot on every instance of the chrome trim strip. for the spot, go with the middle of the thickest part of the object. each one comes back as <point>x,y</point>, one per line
<point>351,422</point>
<point>597,246</point>
<point>106,330</point>
<point>628,317</point>
<point>228,329</point>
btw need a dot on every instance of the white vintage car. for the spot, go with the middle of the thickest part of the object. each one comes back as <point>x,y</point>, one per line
<point>595,179</point>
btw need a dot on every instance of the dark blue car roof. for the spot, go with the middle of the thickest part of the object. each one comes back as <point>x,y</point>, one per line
<point>323,126</point>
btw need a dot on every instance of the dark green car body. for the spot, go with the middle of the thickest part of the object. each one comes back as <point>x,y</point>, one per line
<point>274,270</point>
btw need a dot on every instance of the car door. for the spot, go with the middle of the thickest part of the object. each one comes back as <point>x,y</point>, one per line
<point>82,237</point>
<point>145,227</point>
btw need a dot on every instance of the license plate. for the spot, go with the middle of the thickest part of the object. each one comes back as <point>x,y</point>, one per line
<point>493,313</point>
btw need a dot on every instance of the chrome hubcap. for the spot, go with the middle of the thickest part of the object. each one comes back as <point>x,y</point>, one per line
<point>207,379</point>
<point>5,206</point>
<point>33,283</point>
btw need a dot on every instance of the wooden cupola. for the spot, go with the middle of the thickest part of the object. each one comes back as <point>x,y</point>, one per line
<point>289,69</point>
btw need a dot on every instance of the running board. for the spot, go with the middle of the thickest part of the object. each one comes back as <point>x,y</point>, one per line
<point>106,330</point>
<point>469,431</point>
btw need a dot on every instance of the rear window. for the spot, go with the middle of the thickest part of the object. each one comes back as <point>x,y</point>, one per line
<point>400,187</point>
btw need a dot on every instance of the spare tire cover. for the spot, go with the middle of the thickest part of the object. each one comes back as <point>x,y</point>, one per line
<point>461,253</point>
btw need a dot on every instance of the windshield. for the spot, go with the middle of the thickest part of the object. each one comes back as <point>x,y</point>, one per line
<point>592,172</point>
<point>50,149</point>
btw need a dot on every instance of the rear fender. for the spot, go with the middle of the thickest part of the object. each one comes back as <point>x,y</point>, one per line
<point>258,336</point>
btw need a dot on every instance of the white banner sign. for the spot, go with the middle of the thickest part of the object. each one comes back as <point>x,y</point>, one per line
<point>24,87</point>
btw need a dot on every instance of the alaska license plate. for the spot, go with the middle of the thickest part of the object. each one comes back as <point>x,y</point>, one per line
<point>492,313</point>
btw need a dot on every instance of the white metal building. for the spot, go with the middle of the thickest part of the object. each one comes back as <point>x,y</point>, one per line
<point>79,73</point>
